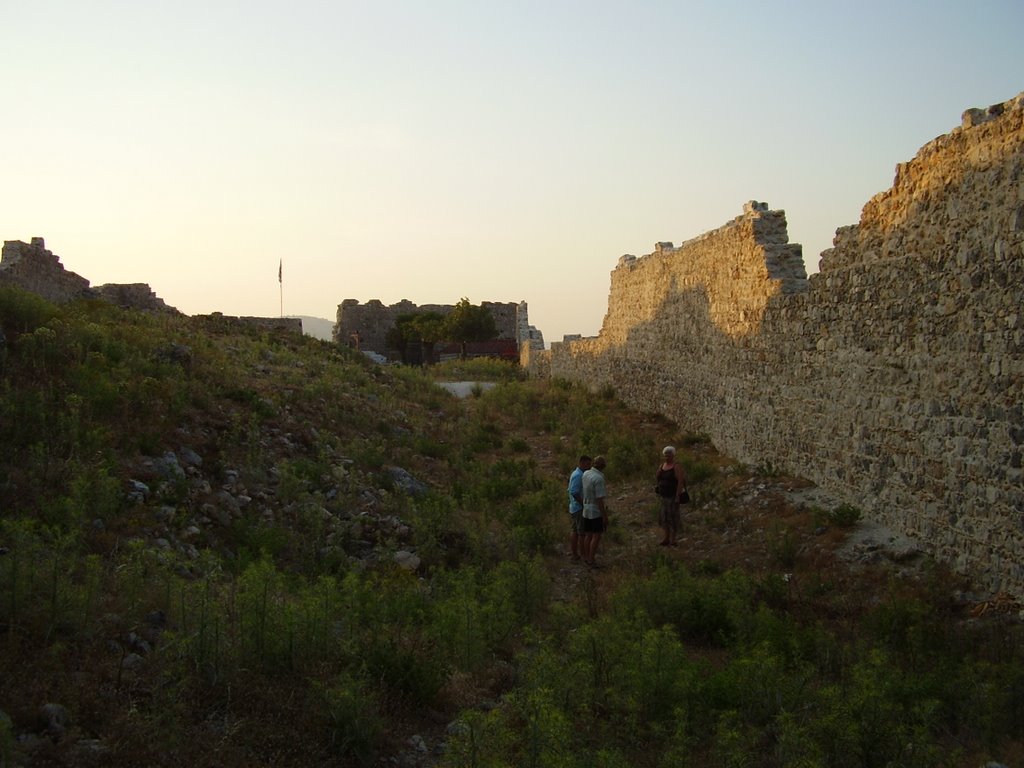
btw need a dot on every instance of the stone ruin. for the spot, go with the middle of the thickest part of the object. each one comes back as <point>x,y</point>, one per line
<point>373,320</point>
<point>893,378</point>
<point>33,268</point>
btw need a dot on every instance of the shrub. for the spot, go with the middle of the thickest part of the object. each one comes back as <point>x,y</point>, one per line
<point>23,312</point>
<point>697,470</point>
<point>845,515</point>
<point>783,546</point>
<point>352,718</point>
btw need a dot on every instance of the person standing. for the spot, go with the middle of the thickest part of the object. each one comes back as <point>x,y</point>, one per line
<point>595,510</point>
<point>576,505</point>
<point>670,484</point>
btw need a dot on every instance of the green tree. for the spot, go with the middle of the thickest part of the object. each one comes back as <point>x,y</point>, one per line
<point>468,322</point>
<point>400,334</point>
<point>425,328</point>
<point>429,328</point>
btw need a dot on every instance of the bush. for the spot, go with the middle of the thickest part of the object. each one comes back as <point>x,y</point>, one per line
<point>352,718</point>
<point>845,515</point>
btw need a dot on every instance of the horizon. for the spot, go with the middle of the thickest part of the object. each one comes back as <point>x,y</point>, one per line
<point>426,152</point>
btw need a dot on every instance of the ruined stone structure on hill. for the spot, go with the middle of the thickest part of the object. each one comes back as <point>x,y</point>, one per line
<point>287,324</point>
<point>373,320</point>
<point>893,378</point>
<point>31,267</point>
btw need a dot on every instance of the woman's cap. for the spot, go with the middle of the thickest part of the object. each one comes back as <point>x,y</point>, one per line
<point>668,449</point>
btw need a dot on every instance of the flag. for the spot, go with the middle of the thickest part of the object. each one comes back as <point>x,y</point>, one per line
<point>280,264</point>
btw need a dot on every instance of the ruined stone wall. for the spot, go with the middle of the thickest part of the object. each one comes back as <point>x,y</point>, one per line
<point>894,378</point>
<point>134,296</point>
<point>218,321</point>
<point>32,268</point>
<point>373,320</point>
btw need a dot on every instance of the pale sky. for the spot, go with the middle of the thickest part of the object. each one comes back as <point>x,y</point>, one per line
<point>501,151</point>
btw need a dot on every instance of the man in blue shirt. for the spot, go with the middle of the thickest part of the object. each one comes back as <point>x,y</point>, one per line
<point>576,505</point>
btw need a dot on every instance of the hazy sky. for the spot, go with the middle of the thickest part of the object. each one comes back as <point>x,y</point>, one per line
<point>501,151</point>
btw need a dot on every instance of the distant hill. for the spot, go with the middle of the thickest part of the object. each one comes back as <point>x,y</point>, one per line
<point>317,327</point>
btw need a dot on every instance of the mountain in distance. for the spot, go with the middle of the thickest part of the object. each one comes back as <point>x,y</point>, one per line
<point>317,327</point>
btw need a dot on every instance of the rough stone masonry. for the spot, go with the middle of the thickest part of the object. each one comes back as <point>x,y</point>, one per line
<point>893,378</point>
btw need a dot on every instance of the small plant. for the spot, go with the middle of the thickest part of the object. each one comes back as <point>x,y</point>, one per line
<point>845,515</point>
<point>518,445</point>
<point>353,721</point>
<point>697,470</point>
<point>783,547</point>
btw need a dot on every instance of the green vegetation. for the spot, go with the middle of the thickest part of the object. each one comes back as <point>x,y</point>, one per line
<point>466,323</point>
<point>200,559</point>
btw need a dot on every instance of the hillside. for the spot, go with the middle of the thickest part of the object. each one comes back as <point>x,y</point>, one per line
<point>317,327</point>
<point>225,546</point>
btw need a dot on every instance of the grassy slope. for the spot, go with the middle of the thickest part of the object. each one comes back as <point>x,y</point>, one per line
<point>248,609</point>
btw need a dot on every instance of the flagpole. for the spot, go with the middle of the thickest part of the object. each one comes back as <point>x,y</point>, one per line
<point>280,284</point>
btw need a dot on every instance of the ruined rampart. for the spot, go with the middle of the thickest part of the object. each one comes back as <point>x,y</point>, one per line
<point>372,321</point>
<point>894,378</point>
<point>33,268</point>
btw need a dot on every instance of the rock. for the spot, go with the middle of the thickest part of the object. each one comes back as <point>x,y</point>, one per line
<point>190,457</point>
<point>405,482</point>
<point>132,661</point>
<point>457,728</point>
<point>407,560</point>
<point>54,720</point>
<point>166,514</point>
<point>176,354</point>
<point>221,515</point>
<point>168,467</point>
<point>138,492</point>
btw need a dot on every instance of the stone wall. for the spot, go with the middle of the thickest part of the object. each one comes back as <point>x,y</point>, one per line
<point>133,296</point>
<point>373,320</point>
<point>894,378</point>
<point>33,268</point>
<point>218,321</point>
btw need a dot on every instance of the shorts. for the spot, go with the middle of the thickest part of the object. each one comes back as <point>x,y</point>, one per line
<point>593,525</point>
<point>577,522</point>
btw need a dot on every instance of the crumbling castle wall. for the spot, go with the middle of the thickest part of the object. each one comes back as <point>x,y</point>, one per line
<point>893,378</point>
<point>133,296</point>
<point>218,321</point>
<point>33,268</point>
<point>373,320</point>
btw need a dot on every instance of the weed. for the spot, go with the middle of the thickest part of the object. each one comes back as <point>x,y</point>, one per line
<point>845,515</point>
<point>518,445</point>
<point>784,547</point>
<point>353,722</point>
<point>697,470</point>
